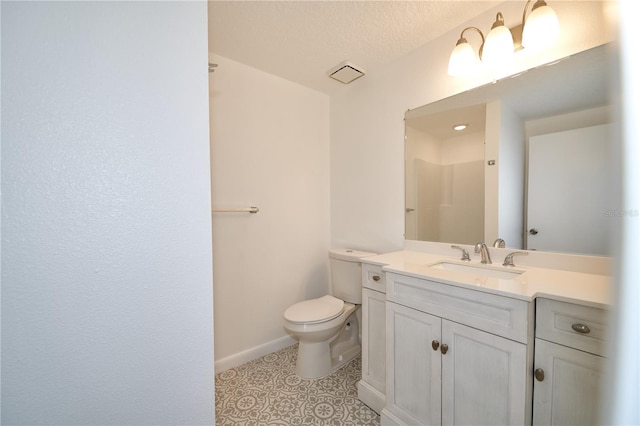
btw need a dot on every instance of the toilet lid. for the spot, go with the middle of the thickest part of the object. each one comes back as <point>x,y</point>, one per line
<point>323,308</point>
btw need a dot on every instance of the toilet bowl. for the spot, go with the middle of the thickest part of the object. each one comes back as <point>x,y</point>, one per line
<point>328,328</point>
<point>324,345</point>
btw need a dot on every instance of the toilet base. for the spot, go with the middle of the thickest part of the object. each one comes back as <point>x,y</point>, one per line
<point>319,359</point>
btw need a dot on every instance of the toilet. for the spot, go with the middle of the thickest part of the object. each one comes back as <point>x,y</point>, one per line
<point>328,328</point>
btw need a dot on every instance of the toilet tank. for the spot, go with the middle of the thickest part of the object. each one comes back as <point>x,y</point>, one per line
<point>346,274</point>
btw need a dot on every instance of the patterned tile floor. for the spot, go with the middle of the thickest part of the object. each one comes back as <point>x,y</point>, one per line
<point>267,391</point>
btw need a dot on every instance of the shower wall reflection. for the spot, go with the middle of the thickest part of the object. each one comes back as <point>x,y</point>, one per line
<point>445,182</point>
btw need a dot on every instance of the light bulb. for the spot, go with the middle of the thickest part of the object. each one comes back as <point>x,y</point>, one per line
<point>541,27</point>
<point>463,59</point>
<point>498,48</point>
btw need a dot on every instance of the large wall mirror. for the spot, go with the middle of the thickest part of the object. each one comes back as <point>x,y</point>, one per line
<point>532,166</point>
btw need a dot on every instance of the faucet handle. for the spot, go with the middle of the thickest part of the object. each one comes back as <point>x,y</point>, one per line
<point>465,253</point>
<point>508,260</point>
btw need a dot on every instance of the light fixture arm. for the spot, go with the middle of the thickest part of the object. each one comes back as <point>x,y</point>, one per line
<point>499,20</point>
<point>524,12</point>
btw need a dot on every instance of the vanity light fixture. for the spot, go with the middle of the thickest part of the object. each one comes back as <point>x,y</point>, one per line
<point>463,59</point>
<point>536,32</point>
<point>542,26</point>
<point>459,127</point>
<point>498,48</point>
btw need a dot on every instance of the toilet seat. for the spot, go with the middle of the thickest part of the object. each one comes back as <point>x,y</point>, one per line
<point>312,311</point>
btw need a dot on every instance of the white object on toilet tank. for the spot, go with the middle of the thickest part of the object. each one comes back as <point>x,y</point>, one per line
<point>346,274</point>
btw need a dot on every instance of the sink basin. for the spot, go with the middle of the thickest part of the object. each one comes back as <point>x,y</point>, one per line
<point>485,271</point>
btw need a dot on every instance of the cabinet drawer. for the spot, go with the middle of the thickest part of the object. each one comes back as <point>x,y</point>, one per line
<point>373,277</point>
<point>569,324</point>
<point>498,315</point>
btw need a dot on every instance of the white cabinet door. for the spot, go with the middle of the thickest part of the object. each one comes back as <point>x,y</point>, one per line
<point>483,378</point>
<point>570,389</point>
<point>372,387</point>
<point>413,367</point>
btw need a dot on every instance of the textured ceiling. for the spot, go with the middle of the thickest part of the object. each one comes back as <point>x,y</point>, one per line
<point>302,41</point>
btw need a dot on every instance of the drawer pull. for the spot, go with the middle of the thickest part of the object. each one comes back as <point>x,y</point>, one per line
<point>539,373</point>
<point>444,349</point>
<point>435,345</point>
<point>376,278</point>
<point>581,328</point>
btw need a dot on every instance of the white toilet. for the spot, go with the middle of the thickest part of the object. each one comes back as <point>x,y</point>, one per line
<point>327,328</point>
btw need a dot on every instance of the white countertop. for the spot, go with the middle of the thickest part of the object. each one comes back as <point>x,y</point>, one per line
<point>568,286</point>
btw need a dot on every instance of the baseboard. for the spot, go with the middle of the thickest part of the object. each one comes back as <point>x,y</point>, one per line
<point>389,419</point>
<point>250,354</point>
<point>371,396</point>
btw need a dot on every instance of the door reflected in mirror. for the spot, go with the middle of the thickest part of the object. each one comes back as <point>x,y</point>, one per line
<point>532,166</point>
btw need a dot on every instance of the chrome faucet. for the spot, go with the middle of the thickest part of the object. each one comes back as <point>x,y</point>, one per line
<point>484,252</point>
<point>508,261</point>
<point>465,253</point>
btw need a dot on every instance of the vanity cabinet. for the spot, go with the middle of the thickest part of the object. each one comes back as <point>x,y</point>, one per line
<point>371,387</point>
<point>455,355</point>
<point>569,363</point>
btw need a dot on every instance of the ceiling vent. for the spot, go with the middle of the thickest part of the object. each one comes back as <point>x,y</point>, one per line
<point>346,72</point>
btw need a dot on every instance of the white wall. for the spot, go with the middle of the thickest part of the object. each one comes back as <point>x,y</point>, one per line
<point>270,149</point>
<point>367,127</point>
<point>511,163</point>
<point>623,392</point>
<point>463,148</point>
<point>106,232</point>
<point>492,173</point>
